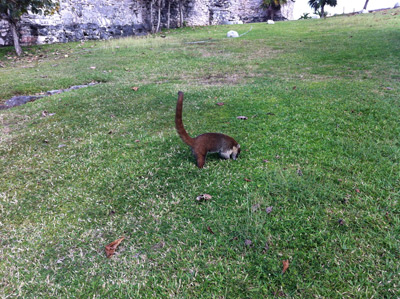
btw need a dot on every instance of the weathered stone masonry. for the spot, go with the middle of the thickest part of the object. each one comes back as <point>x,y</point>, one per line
<point>103,19</point>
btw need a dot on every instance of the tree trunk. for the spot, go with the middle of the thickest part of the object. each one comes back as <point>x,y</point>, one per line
<point>169,13</point>
<point>180,13</point>
<point>159,4</point>
<point>14,32</point>
<point>322,11</point>
<point>366,3</point>
<point>271,13</point>
<point>151,17</point>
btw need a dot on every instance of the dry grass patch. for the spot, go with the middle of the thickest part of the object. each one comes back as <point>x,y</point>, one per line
<point>222,79</point>
<point>10,122</point>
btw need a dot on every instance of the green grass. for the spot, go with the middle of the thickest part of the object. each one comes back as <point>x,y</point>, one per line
<point>322,100</point>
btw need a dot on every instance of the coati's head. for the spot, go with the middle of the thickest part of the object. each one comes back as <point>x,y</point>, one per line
<point>235,152</point>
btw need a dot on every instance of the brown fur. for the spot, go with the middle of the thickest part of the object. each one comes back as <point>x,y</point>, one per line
<point>222,144</point>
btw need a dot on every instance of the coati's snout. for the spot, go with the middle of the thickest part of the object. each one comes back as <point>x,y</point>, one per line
<point>235,152</point>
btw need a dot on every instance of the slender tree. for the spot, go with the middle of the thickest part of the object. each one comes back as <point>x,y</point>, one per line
<point>365,5</point>
<point>151,16</point>
<point>320,4</point>
<point>12,10</point>
<point>181,13</point>
<point>272,5</point>
<point>169,14</point>
<point>160,4</point>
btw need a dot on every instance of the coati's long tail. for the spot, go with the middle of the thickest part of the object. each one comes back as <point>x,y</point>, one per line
<point>179,124</point>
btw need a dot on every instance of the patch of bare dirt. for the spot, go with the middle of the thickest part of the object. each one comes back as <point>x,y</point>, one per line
<point>224,79</point>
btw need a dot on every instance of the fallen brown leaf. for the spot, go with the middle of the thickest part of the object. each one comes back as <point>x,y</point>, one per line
<point>210,230</point>
<point>220,104</point>
<point>110,248</point>
<point>247,180</point>
<point>285,265</point>
<point>248,242</point>
<point>135,88</point>
<point>268,210</point>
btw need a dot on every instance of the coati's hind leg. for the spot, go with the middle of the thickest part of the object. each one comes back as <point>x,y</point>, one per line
<point>200,158</point>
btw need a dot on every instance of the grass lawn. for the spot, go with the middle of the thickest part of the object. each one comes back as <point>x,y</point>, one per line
<point>317,182</point>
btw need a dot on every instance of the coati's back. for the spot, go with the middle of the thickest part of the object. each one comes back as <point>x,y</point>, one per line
<point>215,142</point>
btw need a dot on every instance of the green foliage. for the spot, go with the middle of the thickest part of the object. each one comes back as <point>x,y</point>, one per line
<point>305,16</point>
<point>14,9</point>
<point>273,3</point>
<point>321,13</point>
<point>316,4</point>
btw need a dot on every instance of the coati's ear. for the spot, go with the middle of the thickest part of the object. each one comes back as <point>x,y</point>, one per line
<point>238,146</point>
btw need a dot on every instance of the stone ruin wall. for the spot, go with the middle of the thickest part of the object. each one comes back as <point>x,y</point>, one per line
<point>103,19</point>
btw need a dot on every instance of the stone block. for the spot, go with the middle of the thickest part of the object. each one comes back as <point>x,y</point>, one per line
<point>127,30</point>
<point>232,33</point>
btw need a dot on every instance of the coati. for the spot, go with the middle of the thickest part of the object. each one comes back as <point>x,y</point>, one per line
<point>222,144</point>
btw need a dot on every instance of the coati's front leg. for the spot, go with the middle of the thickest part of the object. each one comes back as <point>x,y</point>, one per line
<point>200,157</point>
